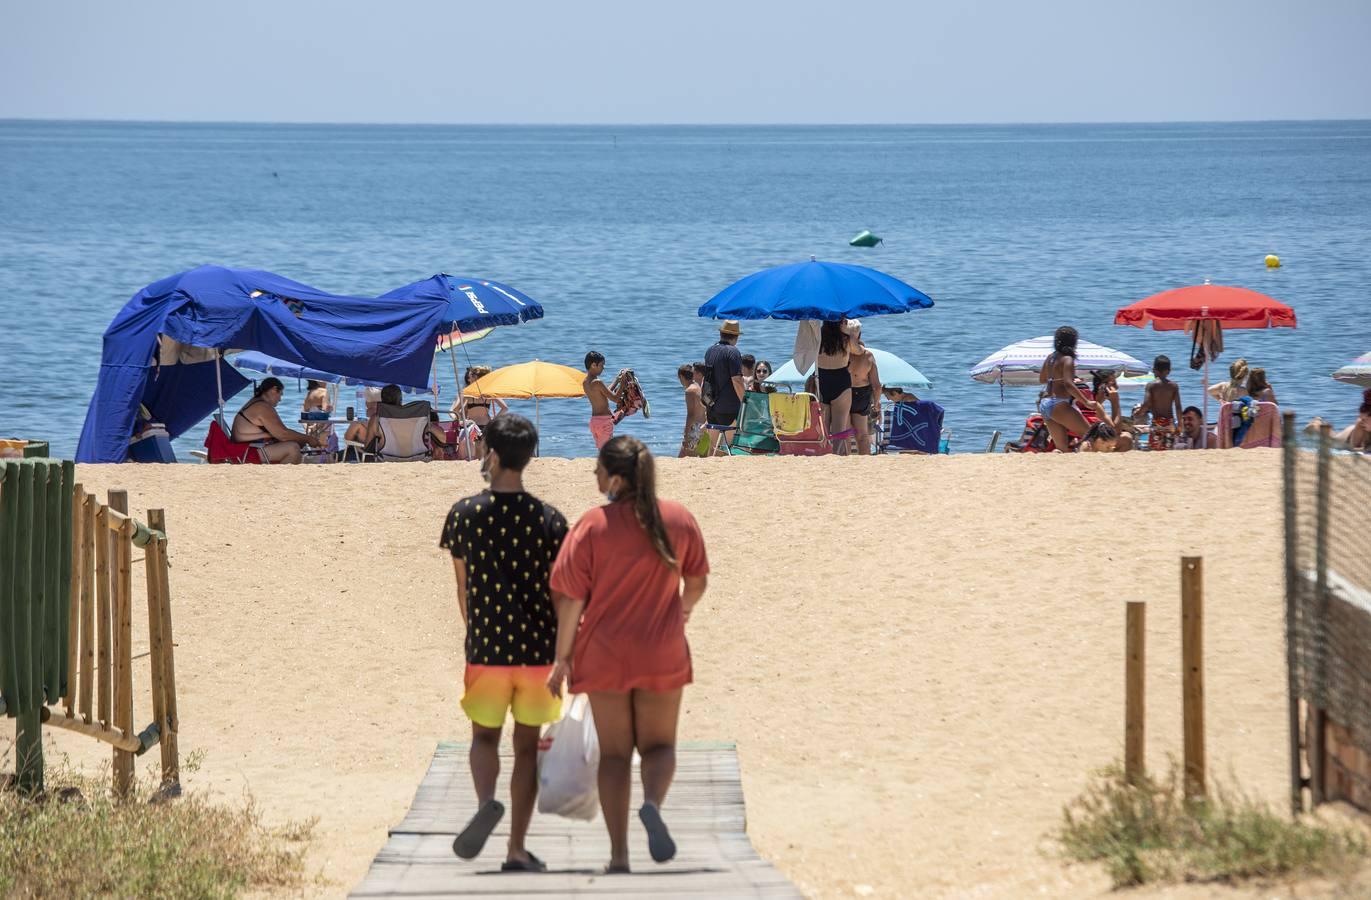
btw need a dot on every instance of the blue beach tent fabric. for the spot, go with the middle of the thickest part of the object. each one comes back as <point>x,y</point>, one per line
<point>815,290</point>
<point>220,308</point>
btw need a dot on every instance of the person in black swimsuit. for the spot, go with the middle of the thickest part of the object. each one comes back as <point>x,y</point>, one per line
<point>835,381</point>
<point>259,421</point>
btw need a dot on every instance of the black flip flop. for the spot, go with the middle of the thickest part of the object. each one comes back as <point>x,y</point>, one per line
<point>534,864</point>
<point>473,837</point>
<point>659,843</point>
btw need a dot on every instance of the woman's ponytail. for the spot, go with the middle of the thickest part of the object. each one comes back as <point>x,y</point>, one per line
<point>629,458</point>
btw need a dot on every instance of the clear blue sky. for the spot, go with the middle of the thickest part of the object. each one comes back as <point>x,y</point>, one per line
<point>648,61</point>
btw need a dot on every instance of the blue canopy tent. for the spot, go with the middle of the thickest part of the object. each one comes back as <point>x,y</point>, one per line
<point>162,350</point>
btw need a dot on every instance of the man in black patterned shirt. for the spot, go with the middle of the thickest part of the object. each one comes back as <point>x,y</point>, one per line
<point>503,542</point>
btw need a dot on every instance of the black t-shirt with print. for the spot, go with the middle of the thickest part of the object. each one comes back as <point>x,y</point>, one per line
<point>508,542</point>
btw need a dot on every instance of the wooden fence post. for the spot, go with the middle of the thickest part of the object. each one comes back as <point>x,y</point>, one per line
<point>123,636</point>
<point>1317,749</point>
<point>1192,673</point>
<point>73,599</point>
<point>1134,730</point>
<point>91,534</point>
<point>163,664</point>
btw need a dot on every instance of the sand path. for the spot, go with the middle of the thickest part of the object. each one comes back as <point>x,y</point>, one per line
<point>919,659</point>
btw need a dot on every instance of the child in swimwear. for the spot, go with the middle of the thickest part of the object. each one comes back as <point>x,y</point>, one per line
<point>601,416</point>
<point>695,411</point>
<point>1162,403</point>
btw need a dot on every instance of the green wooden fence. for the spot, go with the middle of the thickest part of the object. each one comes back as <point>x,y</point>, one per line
<point>35,607</point>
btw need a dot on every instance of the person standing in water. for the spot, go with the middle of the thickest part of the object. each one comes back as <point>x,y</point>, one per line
<point>695,410</point>
<point>1058,376</point>
<point>503,542</point>
<point>601,416</point>
<point>866,389</point>
<point>625,582</point>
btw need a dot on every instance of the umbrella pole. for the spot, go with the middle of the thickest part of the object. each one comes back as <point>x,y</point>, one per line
<point>1206,394</point>
<point>219,379</point>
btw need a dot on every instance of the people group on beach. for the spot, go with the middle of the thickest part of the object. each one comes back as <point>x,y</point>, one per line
<point>600,609</point>
<point>1076,416</point>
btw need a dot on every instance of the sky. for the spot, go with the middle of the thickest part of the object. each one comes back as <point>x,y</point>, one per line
<point>703,61</point>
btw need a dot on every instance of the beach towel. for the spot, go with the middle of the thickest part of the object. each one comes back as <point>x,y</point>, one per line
<point>632,399</point>
<point>1241,414</point>
<point>916,426</point>
<point>790,412</point>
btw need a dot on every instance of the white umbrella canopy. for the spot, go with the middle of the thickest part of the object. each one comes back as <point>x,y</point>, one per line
<point>894,372</point>
<point>1019,364</point>
<point>1357,372</point>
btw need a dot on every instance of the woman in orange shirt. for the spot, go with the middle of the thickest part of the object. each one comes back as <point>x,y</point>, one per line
<point>624,583</point>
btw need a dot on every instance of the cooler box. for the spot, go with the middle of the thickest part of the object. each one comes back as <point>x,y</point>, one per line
<point>16,448</point>
<point>152,446</point>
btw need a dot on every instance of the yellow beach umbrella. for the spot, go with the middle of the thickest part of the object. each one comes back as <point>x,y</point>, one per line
<point>529,380</point>
<point>533,380</point>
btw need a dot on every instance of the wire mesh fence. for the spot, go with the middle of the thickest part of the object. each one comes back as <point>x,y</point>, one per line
<point>1328,617</point>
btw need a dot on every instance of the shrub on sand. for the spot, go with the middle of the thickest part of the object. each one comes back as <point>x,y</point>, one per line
<point>81,843</point>
<point>1149,832</point>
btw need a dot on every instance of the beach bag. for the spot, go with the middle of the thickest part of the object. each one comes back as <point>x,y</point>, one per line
<point>707,388</point>
<point>569,764</point>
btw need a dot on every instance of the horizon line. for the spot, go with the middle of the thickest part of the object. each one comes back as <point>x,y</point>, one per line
<point>665,124</point>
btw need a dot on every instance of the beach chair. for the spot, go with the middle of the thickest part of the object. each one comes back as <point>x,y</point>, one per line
<point>913,428</point>
<point>220,448</point>
<point>1264,429</point>
<point>798,423</point>
<point>404,432</point>
<point>754,435</point>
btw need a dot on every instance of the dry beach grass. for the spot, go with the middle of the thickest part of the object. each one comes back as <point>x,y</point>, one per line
<point>920,660</point>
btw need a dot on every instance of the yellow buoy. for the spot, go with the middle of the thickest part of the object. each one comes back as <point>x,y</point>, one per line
<point>1273,261</point>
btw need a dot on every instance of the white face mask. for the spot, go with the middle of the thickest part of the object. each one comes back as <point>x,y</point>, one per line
<point>485,467</point>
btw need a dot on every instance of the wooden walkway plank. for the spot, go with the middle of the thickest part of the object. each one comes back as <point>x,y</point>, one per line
<point>704,811</point>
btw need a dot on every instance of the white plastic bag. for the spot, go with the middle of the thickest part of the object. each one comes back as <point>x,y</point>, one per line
<point>569,763</point>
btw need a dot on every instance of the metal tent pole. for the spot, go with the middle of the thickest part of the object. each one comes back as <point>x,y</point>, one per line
<point>219,379</point>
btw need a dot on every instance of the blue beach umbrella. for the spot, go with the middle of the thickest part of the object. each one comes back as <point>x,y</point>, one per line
<point>814,290</point>
<point>270,365</point>
<point>472,303</point>
<point>894,372</point>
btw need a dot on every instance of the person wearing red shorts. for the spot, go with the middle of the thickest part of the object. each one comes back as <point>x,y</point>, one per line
<point>624,583</point>
<point>503,542</point>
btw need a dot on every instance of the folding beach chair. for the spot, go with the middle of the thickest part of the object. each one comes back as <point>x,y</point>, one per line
<point>799,425</point>
<point>1264,429</point>
<point>404,432</point>
<point>754,435</point>
<point>220,448</point>
<point>914,428</point>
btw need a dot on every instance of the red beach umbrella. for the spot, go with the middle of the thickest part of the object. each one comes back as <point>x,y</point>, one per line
<point>1195,306</point>
<point>1233,307</point>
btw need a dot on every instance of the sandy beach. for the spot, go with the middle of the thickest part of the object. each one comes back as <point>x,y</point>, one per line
<point>920,659</point>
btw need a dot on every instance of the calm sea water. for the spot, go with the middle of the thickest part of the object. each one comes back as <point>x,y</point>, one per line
<point>623,232</point>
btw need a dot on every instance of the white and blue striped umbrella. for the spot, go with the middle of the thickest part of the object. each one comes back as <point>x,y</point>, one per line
<point>1357,372</point>
<point>1019,364</point>
<point>892,370</point>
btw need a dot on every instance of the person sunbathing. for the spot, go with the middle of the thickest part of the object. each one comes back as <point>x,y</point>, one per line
<point>259,421</point>
<point>1194,436</point>
<point>1354,437</point>
<point>898,395</point>
<point>1100,438</point>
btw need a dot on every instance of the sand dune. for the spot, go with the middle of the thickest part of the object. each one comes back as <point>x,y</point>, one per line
<point>919,659</point>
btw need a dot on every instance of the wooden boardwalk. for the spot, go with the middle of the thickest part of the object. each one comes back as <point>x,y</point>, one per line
<point>704,811</point>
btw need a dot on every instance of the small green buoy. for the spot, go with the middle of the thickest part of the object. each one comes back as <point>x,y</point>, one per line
<point>865,239</point>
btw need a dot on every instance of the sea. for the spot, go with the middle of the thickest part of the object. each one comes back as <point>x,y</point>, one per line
<point>623,232</point>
